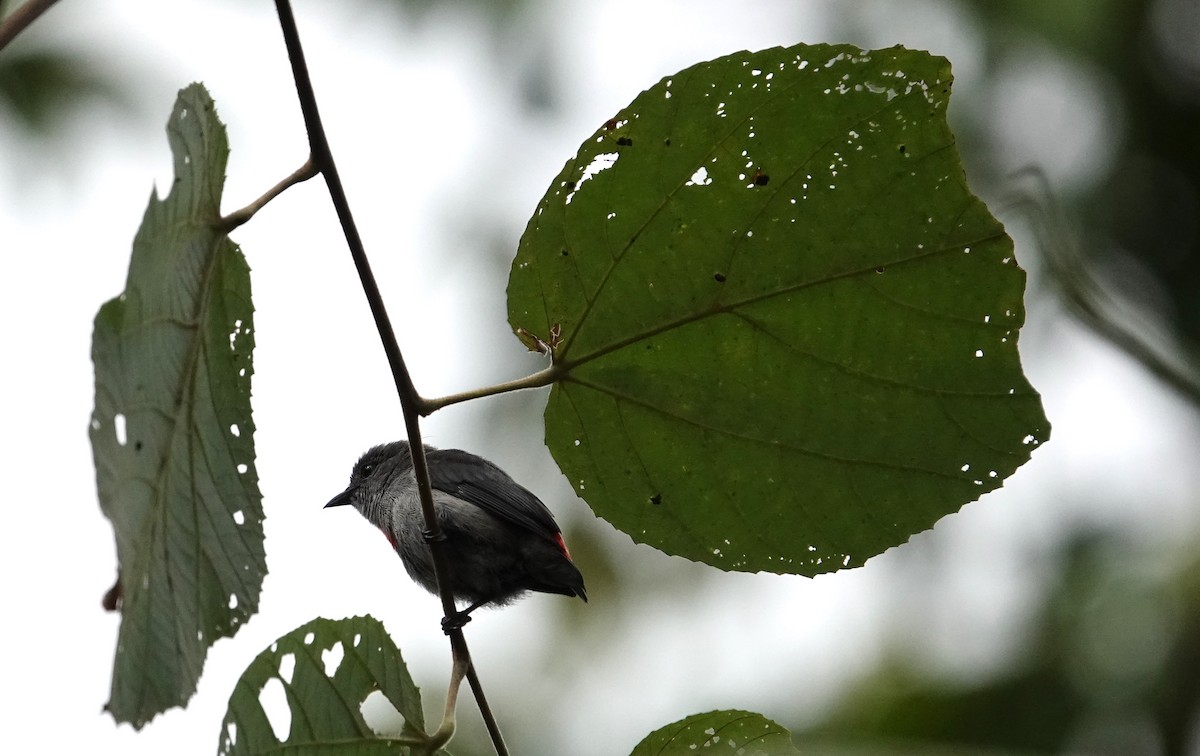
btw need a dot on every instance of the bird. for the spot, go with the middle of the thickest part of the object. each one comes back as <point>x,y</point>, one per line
<point>499,539</point>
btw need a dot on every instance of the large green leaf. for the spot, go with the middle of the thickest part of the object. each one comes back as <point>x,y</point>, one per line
<point>788,329</point>
<point>735,732</point>
<point>327,669</point>
<point>172,434</point>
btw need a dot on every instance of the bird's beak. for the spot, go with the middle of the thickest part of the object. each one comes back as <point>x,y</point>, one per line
<point>341,499</point>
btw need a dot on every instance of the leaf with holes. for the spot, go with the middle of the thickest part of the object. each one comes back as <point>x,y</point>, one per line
<point>740,732</point>
<point>787,331</point>
<point>325,671</point>
<point>172,435</point>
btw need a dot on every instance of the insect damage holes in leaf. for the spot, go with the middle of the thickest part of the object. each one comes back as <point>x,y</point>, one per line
<point>699,178</point>
<point>379,714</point>
<point>599,163</point>
<point>235,333</point>
<point>273,701</point>
<point>287,666</point>
<point>331,658</point>
<point>119,428</point>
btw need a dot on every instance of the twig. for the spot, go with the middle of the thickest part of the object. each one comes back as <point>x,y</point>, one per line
<point>1094,301</point>
<point>23,16</point>
<point>322,159</point>
<point>446,730</point>
<point>536,380</point>
<point>489,719</point>
<point>238,217</point>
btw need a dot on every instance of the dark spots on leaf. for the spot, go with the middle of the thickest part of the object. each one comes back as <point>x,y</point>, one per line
<point>719,277</point>
<point>565,253</point>
<point>903,149</point>
<point>137,445</point>
<point>610,124</point>
<point>570,185</point>
<point>667,142</point>
<point>879,269</point>
<point>760,178</point>
<point>625,142</point>
<point>656,499</point>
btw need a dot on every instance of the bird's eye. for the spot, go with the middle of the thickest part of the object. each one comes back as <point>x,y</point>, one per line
<point>368,469</point>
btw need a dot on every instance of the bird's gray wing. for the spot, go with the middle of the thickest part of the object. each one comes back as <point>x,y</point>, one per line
<point>477,481</point>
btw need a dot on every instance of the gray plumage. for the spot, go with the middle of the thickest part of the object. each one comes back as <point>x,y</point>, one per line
<point>500,540</point>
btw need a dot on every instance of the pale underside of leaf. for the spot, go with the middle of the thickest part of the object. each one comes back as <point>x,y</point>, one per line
<point>172,433</point>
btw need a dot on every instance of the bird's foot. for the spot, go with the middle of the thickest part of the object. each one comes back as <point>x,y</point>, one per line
<point>452,622</point>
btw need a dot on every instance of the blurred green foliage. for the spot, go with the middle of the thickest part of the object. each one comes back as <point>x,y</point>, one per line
<point>1147,208</point>
<point>1113,667</point>
<point>43,89</point>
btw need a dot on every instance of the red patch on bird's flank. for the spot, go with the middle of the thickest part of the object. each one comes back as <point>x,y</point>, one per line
<point>562,545</point>
<point>391,538</point>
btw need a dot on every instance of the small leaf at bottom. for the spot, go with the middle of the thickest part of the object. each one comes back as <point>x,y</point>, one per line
<point>327,669</point>
<point>735,732</point>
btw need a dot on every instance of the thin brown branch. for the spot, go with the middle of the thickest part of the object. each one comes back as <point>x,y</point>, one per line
<point>410,400</point>
<point>238,217</point>
<point>485,711</point>
<point>25,14</point>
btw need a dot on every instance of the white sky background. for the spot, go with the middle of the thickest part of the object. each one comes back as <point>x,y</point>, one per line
<point>420,124</point>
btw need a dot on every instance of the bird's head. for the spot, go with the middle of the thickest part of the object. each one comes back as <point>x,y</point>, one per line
<point>372,476</point>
